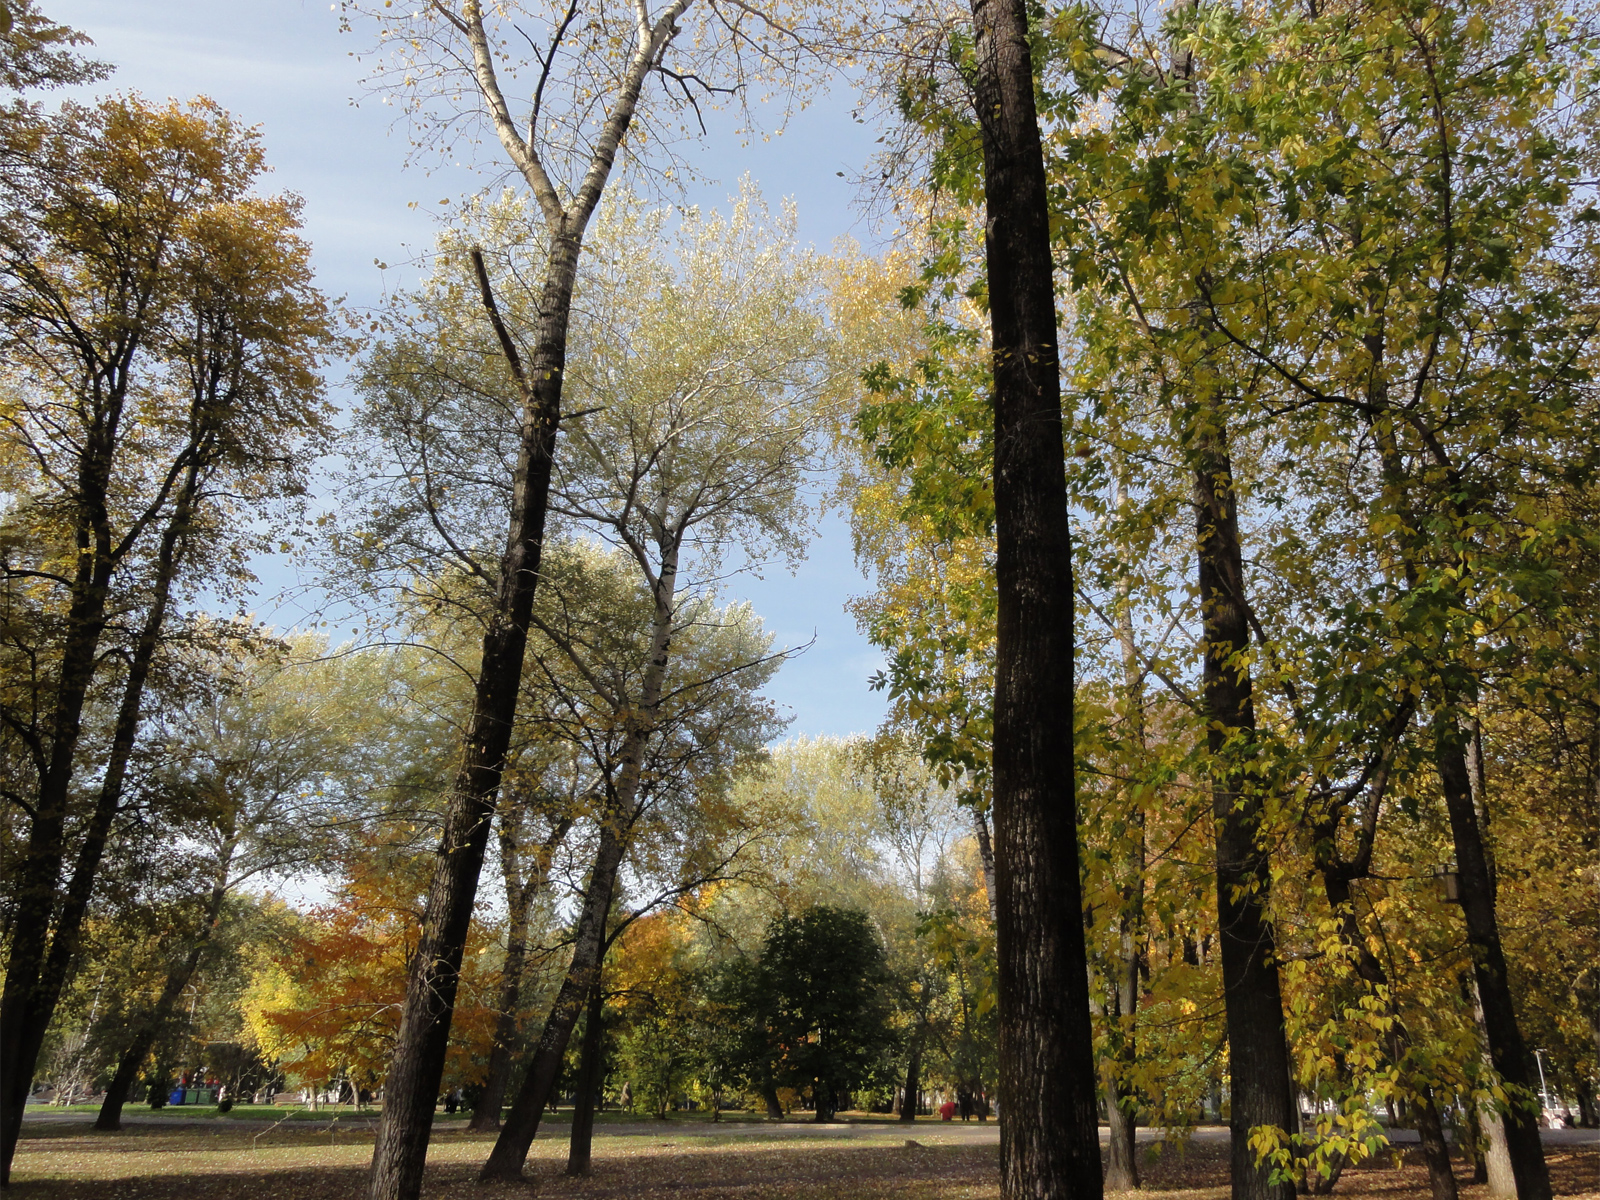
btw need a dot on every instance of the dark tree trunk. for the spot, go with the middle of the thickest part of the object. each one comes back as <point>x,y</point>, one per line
<point>30,994</point>
<point>520,895</point>
<point>1435,1150</point>
<point>590,1077</point>
<point>1258,1054</point>
<point>1049,1141</point>
<point>908,1102</point>
<point>980,827</point>
<point>412,1084</point>
<point>522,1123</point>
<point>769,1094</point>
<point>823,1096</point>
<point>109,1119</point>
<point>53,951</point>
<point>622,808</point>
<point>1507,1050</point>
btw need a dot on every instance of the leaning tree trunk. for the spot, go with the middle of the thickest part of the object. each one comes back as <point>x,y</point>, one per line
<point>26,1026</point>
<point>522,1123</point>
<point>590,1078</point>
<point>412,1085</point>
<point>1258,1053</point>
<point>110,1117</point>
<point>589,942</point>
<point>1507,1050</point>
<point>30,992</point>
<point>520,894</point>
<point>1049,1141</point>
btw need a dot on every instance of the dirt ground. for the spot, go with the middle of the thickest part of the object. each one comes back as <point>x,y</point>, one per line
<point>67,1160</point>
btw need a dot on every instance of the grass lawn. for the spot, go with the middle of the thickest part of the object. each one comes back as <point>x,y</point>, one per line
<point>228,1162</point>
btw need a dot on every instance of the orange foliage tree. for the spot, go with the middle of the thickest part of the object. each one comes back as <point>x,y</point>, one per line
<point>327,1005</point>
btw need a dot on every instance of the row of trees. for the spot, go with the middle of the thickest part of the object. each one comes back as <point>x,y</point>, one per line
<point>162,339</point>
<point>1268,778</point>
<point>1326,287</point>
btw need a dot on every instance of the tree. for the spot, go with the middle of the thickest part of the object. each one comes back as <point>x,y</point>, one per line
<point>824,994</point>
<point>275,760</point>
<point>165,336</point>
<point>36,52</point>
<point>1048,1144</point>
<point>591,76</point>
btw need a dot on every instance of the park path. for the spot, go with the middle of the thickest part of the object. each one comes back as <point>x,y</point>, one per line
<point>964,1133</point>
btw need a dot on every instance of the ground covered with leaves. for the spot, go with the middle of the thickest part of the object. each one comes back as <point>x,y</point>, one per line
<point>294,1163</point>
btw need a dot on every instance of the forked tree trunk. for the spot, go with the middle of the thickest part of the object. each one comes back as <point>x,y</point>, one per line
<point>401,1152</point>
<point>591,1076</point>
<point>1258,1054</point>
<point>1049,1141</point>
<point>412,1084</point>
<point>589,942</point>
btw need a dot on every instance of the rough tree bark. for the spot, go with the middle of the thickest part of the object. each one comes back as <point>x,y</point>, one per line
<point>1049,1140</point>
<point>1258,1054</point>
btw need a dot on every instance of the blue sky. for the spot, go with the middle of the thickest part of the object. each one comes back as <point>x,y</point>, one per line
<point>284,65</point>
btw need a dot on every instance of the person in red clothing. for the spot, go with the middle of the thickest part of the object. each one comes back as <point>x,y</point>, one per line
<point>947,1110</point>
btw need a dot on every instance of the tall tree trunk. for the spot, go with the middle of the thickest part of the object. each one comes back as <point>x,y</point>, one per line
<point>43,953</point>
<point>1122,1159</point>
<point>1049,1141</point>
<point>520,895</point>
<point>1507,1050</point>
<point>30,996</point>
<point>769,1096</point>
<point>1258,1054</point>
<point>412,1085</point>
<point>590,1078</point>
